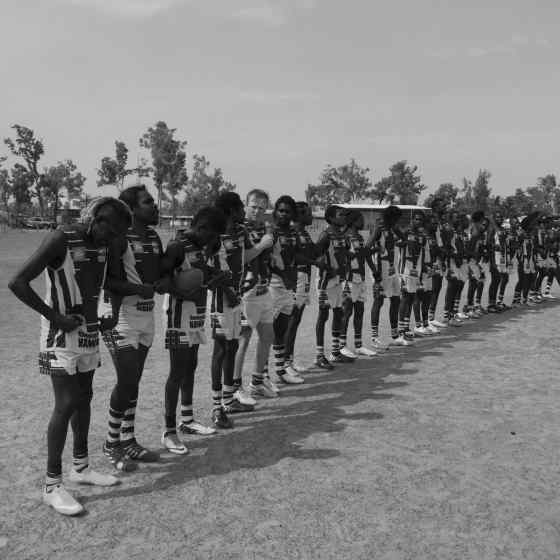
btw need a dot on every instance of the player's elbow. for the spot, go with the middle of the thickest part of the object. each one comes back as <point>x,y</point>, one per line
<point>17,285</point>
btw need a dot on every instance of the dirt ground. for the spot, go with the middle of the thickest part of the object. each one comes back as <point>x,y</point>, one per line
<point>446,450</point>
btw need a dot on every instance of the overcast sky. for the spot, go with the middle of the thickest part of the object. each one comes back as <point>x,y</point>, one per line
<point>272,91</point>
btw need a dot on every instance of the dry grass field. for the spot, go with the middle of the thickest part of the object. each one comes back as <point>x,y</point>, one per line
<point>447,450</point>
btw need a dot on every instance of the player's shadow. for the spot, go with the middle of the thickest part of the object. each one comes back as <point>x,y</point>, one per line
<point>280,428</point>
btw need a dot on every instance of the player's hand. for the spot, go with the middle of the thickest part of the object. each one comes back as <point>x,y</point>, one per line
<point>67,323</point>
<point>145,291</point>
<point>163,285</point>
<point>267,241</point>
<point>107,323</point>
<point>219,279</point>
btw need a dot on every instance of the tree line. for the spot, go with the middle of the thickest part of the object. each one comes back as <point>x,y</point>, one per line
<point>28,184</point>
<point>179,191</point>
<point>351,183</point>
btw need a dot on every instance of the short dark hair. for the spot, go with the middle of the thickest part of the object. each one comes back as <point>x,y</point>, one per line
<point>227,201</point>
<point>330,212</point>
<point>353,215</point>
<point>391,214</point>
<point>130,195</point>
<point>477,216</point>
<point>212,217</point>
<point>258,193</point>
<point>286,199</point>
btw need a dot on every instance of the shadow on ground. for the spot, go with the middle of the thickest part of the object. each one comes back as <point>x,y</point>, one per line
<point>278,428</point>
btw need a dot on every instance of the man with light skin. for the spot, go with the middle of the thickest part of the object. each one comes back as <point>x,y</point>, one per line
<point>257,307</point>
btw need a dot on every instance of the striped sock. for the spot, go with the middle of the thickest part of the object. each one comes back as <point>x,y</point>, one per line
<point>127,426</point>
<point>336,343</point>
<point>320,351</point>
<point>342,339</point>
<point>279,350</point>
<point>257,378</point>
<point>216,400</point>
<point>115,422</point>
<point>401,327</point>
<point>446,315</point>
<point>227,395</point>
<point>80,463</point>
<point>237,384</point>
<point>357,340</point>
<point>52,481</point>
<point>431,314</point>
<point>186,413</point>
<point>455,306</point>
<point>394,333</point>
<point>374,332</point>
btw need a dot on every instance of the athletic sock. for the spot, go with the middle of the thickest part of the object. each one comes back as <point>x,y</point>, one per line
<point>335,342</point>
<point>279,350</point>
<point>320,351</point>
<point>52,481</point>
<point>342,340</point>
<point>357,341</point>
<point>257,378</point>
<point>127,426</point>
<point>114,431</point>
<point>227,395</point>
<point>216,400</point>
<point>80,463</point>
<point>374,332</point>
<point>186,413</point>
<point>394,333</point>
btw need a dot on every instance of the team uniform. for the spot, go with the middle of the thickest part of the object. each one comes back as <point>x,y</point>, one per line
<point>185,320</point>
<point>303,285</point>
<point>331,283</point>
<point>184,333</point>
<point>410,266</point>
<point>82,272</point>
<point>140,264</point>
<point>356,289</point>
<point>226,315</point>
<point>256,299</point>
<point>384,245</point>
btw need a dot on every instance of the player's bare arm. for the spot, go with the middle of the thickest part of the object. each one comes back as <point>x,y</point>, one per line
<point>50,254</point>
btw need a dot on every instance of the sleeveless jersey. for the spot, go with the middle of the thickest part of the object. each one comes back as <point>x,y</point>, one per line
<point>231,258</point>
<point>283,259</point>
<point>337,256</point>
<point>74,288</point>
<point>386,249</point>
<point>173,307</point>
<point>410,253</point>
<point>257,272</point>
<point>140,265</point>
<point>357,258</point>
<point>306,248</point>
